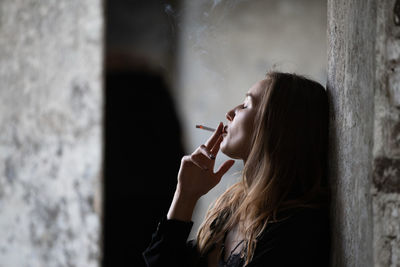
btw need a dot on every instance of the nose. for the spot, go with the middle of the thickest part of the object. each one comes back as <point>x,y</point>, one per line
<point>230,114</point>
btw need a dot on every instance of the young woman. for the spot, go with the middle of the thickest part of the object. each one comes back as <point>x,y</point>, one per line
<point>278,213</point>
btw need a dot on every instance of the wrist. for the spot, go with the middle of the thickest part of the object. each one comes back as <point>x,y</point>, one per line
<point>182,207</point>
<point>186,195</point>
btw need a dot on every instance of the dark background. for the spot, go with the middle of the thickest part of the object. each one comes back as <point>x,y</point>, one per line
<point>143,145</point>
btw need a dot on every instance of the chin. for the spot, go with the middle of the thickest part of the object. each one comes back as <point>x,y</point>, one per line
<point>230,153</point>
<point>225,150</point>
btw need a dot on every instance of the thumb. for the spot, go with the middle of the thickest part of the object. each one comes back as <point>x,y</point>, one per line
<point>224,168</point>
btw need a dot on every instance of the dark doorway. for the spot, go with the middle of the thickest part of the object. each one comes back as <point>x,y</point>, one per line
<point>143,145</point>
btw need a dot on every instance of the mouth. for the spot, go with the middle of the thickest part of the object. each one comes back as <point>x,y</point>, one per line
<point>225,130</point>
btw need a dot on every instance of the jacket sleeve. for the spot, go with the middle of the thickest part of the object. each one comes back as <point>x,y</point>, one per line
<point>169,246</point>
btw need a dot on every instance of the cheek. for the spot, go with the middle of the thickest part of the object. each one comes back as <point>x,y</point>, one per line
<point>236,143</point>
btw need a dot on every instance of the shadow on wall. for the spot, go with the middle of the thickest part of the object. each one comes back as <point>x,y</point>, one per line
<point>142,156</point>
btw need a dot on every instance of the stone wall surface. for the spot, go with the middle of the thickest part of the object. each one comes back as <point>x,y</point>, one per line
<point>351,76</point>
<point>386,162</point>
<point>50,132</point>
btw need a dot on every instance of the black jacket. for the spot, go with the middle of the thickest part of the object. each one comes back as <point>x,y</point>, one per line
<point>301,240</point>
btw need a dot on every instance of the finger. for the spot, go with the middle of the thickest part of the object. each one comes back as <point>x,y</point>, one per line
<point>186,161</point>
<point>200,160</point>
<point>203,149</point>
<point>224,168</point>
<point>213,138</point>
<point>215,149</point>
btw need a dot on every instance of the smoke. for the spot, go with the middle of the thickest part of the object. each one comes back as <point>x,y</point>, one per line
<point>173,18</point>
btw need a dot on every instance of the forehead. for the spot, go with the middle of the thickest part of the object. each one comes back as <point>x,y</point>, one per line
<point>258,88</point>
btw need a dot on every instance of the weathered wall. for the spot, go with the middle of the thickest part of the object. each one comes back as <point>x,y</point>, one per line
<point>351,77</point>
<point>50,132</point>
<point>386,163</point>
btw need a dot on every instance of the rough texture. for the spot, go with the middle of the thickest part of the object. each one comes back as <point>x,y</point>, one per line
<point>386,164</point>
<point>50,132</point>
<point>351,76</point>
<point>386,229</point>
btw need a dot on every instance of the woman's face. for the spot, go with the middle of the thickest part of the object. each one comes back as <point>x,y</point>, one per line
<point>238,132</point>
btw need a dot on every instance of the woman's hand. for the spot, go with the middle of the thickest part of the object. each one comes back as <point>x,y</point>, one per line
<point>196,176</point>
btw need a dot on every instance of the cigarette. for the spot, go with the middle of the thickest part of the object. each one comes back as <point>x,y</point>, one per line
<point>205,128</point>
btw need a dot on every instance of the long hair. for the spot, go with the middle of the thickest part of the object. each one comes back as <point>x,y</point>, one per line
<point>286,167</point>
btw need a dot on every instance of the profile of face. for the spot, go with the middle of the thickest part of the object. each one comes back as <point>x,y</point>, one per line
<point>237,136</point>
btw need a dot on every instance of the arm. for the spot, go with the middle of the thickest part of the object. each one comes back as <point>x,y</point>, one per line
<point>195,178</point>
<point>168,246</point>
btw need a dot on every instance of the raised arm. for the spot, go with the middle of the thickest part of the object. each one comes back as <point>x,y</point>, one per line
<point>196,177</point>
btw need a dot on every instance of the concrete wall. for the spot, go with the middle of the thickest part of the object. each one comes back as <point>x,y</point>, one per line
<point>50,132</point>
<point>351,77</point>
<point>364,82</point>
<point>386,163</point>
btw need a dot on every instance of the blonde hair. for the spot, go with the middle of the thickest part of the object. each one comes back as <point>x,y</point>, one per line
<point>286,167</point>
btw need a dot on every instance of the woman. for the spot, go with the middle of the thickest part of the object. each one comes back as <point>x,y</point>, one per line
<point>277,215</point>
